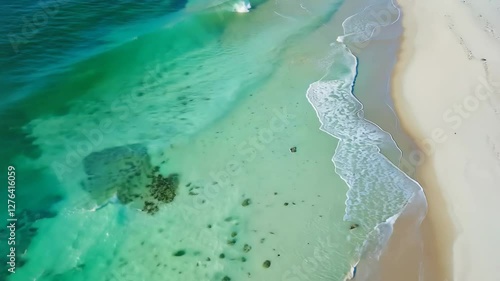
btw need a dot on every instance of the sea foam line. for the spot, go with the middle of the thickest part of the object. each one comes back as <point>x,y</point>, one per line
<point>373,24</point>
<point>326,97</point>
<point>351,146</point>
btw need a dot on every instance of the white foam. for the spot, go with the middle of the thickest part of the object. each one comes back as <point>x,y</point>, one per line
<point>362,26</point>
<point>242,7</point>
<point>378,190</point>
<point>357,159</point>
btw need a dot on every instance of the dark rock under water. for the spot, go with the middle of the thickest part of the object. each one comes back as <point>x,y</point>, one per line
<point>126,171</point>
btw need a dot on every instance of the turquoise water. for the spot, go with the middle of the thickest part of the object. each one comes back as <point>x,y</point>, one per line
<point>127,123</point>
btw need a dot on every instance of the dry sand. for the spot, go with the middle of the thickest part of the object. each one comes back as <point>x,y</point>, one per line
<point>447,94</point>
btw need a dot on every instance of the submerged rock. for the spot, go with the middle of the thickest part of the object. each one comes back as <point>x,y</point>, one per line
<point>246,202</point>
<point>179,253</point>
<point>247,248</point>
<point>150,207</point>
<point>163,188</point>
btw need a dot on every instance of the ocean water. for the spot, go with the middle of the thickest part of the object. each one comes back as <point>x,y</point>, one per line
<point>153,140</point>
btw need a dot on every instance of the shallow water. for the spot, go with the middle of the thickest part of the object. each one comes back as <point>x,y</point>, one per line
<point>162,145</point>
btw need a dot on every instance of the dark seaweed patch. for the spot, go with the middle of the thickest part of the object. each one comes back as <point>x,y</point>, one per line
<point>127,172</point>
<point>246,202</point>
<point>247,248</point>
<point>179,253</point>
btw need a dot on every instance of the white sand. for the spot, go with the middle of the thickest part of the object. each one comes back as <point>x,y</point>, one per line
<point>449,102</point>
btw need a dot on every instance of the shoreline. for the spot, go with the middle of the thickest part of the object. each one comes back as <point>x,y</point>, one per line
<point>377,60</point>
<point>436,247</point>
<point>449,233</point>
<point>373,89</point>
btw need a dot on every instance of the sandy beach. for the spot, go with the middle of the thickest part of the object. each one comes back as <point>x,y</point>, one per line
<point>447,95</point>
